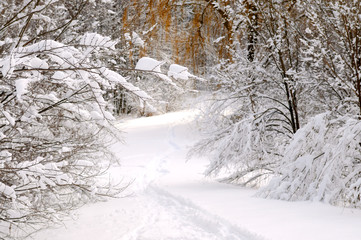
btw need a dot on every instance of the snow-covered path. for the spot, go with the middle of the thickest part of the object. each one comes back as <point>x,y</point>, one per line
<point>171,217</point>
<point>161,145</point>
<point>170,199</point>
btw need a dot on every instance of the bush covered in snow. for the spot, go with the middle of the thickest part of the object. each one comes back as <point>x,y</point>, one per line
<point>54,130</point>
<point>59,88</point>
<point>245,128</point>
<point>239,153</point>
<point>289,103</point>
<point>55,124</point>
<point>322,162</point>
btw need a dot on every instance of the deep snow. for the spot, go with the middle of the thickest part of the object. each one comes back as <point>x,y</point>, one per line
<point>170,199</point>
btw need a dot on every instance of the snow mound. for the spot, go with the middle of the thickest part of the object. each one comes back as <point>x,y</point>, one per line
<point>149,64</point>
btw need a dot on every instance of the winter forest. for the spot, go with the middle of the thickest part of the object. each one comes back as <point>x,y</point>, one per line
<point>274,87</point>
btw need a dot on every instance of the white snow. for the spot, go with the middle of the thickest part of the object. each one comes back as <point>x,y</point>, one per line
<point>117,78</point>
<point>170,199</point>
<point>149,64</point>
<point>96,115</point>
<point>59,75</point>
<point>145,32</point>
<point>179,72</point>
<point>7,65</point>
<point>21,87</point>
<point>96,40</point>
<point>137,41</point>
<point>7,191</point>
<point>219,39</point>
<point>8,117</point>
<point>38,63</point>
<point>84,163</point>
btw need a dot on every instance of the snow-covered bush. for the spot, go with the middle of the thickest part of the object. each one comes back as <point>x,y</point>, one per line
<point>54,130</point>
<point>285,71</point>
<point>241,153</point>
<point>55,116</point>
<point>245,128</point>
<point>322,162</point>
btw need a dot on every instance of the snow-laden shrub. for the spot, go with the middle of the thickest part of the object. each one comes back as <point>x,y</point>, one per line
<point>242,148</point>
<point>54,130</point>
<point>246,124</point>
<point>322,162</point>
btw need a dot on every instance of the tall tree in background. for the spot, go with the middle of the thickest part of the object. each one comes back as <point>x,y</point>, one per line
<point>195,34</point>
<point>338,36</point>
<point>295,60</point>
<point>322,161</point>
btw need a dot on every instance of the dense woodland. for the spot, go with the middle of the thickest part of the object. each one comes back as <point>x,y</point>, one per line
<point>282,80</point>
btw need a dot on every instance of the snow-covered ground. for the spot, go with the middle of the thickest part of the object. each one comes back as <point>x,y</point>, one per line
<point>170,199</point>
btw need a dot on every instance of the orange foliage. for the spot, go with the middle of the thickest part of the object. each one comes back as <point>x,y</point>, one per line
<point>185,30</point>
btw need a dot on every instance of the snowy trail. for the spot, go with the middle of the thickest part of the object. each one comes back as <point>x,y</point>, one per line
<point>168,216</point>
<point>170,199</point>
<point>155,149</point>
<point>171,217</point>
